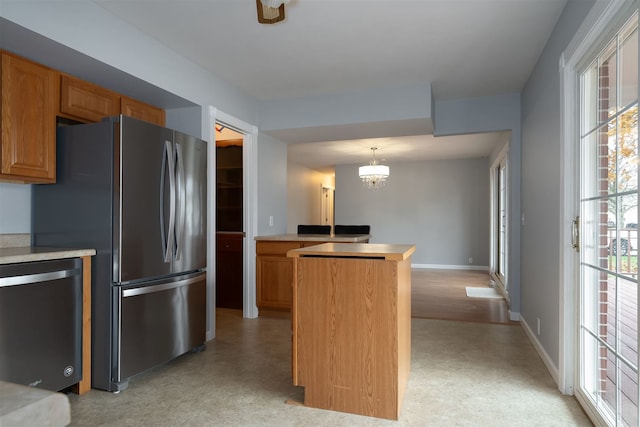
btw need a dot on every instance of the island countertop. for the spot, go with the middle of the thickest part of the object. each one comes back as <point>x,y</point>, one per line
<point>396,252</point>
<point>341,238</point>
<point>38,253</point>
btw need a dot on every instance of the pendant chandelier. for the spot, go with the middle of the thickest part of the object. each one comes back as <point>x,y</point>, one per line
<point>373,175</point>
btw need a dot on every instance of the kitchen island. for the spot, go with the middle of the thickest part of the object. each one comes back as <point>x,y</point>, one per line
<point>274,271</point>
<point>351,321</point>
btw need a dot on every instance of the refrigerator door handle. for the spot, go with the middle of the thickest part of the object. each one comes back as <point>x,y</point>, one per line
<point>162,287</point>
<point>167,160</point>
<point>163,235</point>
<point>181,201</point>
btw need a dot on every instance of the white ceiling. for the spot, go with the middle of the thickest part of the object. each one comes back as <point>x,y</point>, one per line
<point>464,48</point>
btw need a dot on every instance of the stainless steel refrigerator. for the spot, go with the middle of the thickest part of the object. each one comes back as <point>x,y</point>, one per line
<point>137,194</point>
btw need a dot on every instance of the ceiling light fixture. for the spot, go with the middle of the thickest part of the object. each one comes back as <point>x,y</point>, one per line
<point>270,11</point>
<point>373,175</point>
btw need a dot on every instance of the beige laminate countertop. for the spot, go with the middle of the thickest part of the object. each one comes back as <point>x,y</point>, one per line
<point>38,253</point>
<point>356,250</point>
<point>30,406</point>
<point>342,238</point>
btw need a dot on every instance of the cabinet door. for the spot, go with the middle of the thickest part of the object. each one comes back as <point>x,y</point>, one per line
<point>274,277</point>
<point>140,110</point>
<point>87,101</point>
<point>28,128</point>
<point>229,272</point>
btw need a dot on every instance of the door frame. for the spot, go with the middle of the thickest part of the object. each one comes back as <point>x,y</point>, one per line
<point>211,116</point>
<point>597,23</point>
<point>501,158</point>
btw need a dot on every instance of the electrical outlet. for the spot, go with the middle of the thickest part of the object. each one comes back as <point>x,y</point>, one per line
<point>270,220</point>
<point>538,319</point>
<point>470,260</point>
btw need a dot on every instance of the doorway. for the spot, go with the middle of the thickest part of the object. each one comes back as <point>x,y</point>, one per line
<point>328,197</point>
<point>229,218</point>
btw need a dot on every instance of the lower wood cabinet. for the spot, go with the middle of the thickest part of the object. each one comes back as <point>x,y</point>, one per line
<point>274,271</point>
<point>229,270</point>
<point>274,274</point>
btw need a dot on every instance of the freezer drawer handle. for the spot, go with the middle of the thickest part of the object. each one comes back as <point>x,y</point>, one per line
<point>37,278</point>
<point>162,287</point>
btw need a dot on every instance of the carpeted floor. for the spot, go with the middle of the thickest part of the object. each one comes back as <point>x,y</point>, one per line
<point>462,374</point>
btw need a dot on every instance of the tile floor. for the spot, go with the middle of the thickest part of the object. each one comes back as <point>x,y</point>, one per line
<point>462,374</point>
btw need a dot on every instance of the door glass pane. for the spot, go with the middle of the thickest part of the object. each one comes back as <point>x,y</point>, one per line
<point>628,66</point>
<point>629,395</point>
<point>624,150</point>
<point>598,160</point>
<point>607,83</point>
<point>502,219</point>
<point>589,95</point>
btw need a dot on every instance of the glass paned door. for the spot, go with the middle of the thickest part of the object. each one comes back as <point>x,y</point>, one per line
<point>608,336</point>
<point>502,222</point>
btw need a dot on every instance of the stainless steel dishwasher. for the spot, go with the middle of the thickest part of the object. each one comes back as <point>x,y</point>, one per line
<point>41,323</point>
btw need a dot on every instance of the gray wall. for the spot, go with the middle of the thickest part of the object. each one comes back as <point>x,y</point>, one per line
<point>440,206</point>
<point>491,114</point>
<point>90,30</point>
<point>541,181</point>
<point>397,111</point>
<point>15,208</point>
<point>272,185</point>
<point>61,22</point>
<point>304,192</point>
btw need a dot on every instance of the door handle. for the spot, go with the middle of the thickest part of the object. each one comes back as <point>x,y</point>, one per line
<point>169,156</point>
<point>575,234</point>
<point>181,198</point>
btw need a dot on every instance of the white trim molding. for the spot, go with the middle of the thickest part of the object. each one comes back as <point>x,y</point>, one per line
<point>250,202</point>
<point>451,267</point>
<point>548,362</point>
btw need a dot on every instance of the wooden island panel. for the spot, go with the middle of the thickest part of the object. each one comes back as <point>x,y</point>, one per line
<point>351,323</point>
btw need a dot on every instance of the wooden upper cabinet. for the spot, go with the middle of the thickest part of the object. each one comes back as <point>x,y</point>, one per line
<point>28,121</point>
<point>140,110</point>
<point>86,101</point>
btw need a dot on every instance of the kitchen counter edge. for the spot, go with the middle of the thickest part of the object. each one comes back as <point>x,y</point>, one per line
<point>397,252</point>
<point>342,238</point>
<point>39,253</point>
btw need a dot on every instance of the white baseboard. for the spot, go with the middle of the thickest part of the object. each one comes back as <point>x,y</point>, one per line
<point>450,267</point>
<point>553,370</point>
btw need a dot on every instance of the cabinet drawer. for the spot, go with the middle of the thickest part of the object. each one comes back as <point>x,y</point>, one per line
<point>87,101</point>
<point>229,244</point>
<point>276,248</point>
